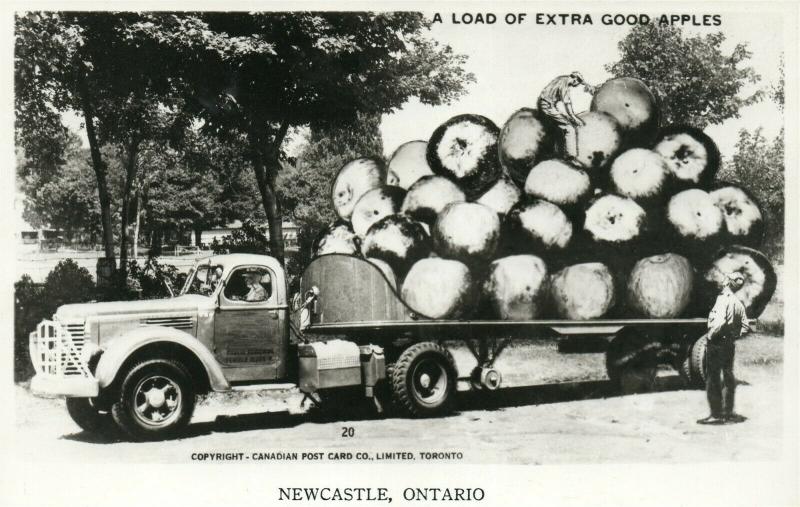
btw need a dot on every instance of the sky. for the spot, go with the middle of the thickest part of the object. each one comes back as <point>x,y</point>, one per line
<point>512,63</point>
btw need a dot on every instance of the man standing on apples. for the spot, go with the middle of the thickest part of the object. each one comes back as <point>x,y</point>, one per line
<point>555,102</point>
<point>726,322</point>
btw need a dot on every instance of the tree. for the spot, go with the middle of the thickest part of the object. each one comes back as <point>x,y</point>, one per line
<point>255,76</point>
<point>304,188</point>
<point>87,62</point>
<point>696,83</point>
<point>202,184</point>
<point>758,165</point>
<point>61,196</point>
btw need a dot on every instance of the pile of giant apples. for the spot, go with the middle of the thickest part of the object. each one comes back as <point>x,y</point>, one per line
<point>487,222</point>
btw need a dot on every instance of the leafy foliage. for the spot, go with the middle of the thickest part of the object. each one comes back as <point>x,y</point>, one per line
<point>758,165</point>
<point>776,90</point>
<point>63,195</point>
<point>67,283</point>
<point>696,83</point>
<point>153,280</point>
<point>28,311</point>
<point>250,238</point>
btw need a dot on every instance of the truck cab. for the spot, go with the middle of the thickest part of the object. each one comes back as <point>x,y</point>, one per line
<point>142,362</point>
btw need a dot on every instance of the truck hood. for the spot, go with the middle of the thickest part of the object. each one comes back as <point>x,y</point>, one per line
<point>186,303</point>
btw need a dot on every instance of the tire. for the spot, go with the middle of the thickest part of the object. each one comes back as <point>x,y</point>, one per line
<point>694,366</point>
<point>423,380</point>
<point>88,416</point>
<point>631,364</point>
<point>155,401</point>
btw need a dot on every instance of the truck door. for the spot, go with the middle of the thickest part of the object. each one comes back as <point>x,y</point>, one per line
<point>249,326</point>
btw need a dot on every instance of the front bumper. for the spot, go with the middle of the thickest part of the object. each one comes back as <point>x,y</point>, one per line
<point>73,387</point>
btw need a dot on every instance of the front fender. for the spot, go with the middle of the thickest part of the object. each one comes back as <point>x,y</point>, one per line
<point>122,347</point>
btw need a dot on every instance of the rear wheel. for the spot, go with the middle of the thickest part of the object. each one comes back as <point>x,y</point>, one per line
<point>156,400</point>
<point>631,364</point>
<point>91,418</point>
<point>693,368</point>
<point>423,380</point>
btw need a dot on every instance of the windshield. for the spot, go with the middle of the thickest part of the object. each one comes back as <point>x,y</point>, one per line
<point>203,280</point>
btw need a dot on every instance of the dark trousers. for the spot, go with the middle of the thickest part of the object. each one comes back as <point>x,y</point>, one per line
<point>720,382</point>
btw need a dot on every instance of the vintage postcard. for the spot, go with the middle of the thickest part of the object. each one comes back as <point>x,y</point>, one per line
<point>500,253</point>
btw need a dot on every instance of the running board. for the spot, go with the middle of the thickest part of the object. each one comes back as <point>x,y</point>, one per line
<point>264,387</point>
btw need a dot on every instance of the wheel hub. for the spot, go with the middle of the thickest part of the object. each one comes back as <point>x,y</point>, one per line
<point>155,398</point>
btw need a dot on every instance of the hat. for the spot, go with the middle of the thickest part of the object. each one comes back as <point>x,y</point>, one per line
<point>577,75</point>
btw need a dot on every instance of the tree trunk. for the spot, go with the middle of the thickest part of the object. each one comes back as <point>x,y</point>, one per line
<point>130,175</point>
<point>198,237</point>
<point>99,170</point>
<point>266,165</point>
<point>272,206</point>
<point>155,242</point>
<point>136,227</point>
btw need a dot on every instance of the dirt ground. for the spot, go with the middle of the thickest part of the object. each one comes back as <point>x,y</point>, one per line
<point>554,409</point>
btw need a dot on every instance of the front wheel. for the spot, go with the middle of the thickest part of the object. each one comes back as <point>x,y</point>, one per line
<point>156,400</point>
<point>86,414</point>
<point>423,380</point>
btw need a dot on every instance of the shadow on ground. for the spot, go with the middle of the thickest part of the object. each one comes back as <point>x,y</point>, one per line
<point>467,401</point>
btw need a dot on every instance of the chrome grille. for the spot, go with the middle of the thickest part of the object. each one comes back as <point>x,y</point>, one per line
<point>56,349</point>
<point>185,323</point>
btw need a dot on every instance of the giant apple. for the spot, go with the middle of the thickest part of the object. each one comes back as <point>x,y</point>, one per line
<point>633,105</point>
<point>516,287</point>
<point>407,164</point>
<point>691,156</point>
<point>598,140</point>
<point>464,150</point>
<point>660,286</point>
<point>374,205</point>
<point>744,221</point>
<point>398,241</point>
<point>583,291</point>
<point>526,139</point>
<point>428,196</point>
<point>558,182</point>
<point>353,180</point>
<point>466,231</point>
<point>640,174</point>
<point>535,226</point>
<point>439,289</point>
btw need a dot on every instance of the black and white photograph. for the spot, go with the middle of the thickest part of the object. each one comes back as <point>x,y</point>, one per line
<point>343,253</point>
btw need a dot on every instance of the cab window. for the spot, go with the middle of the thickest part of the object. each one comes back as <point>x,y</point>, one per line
<point>203,280</point>
<point>249,285</point>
